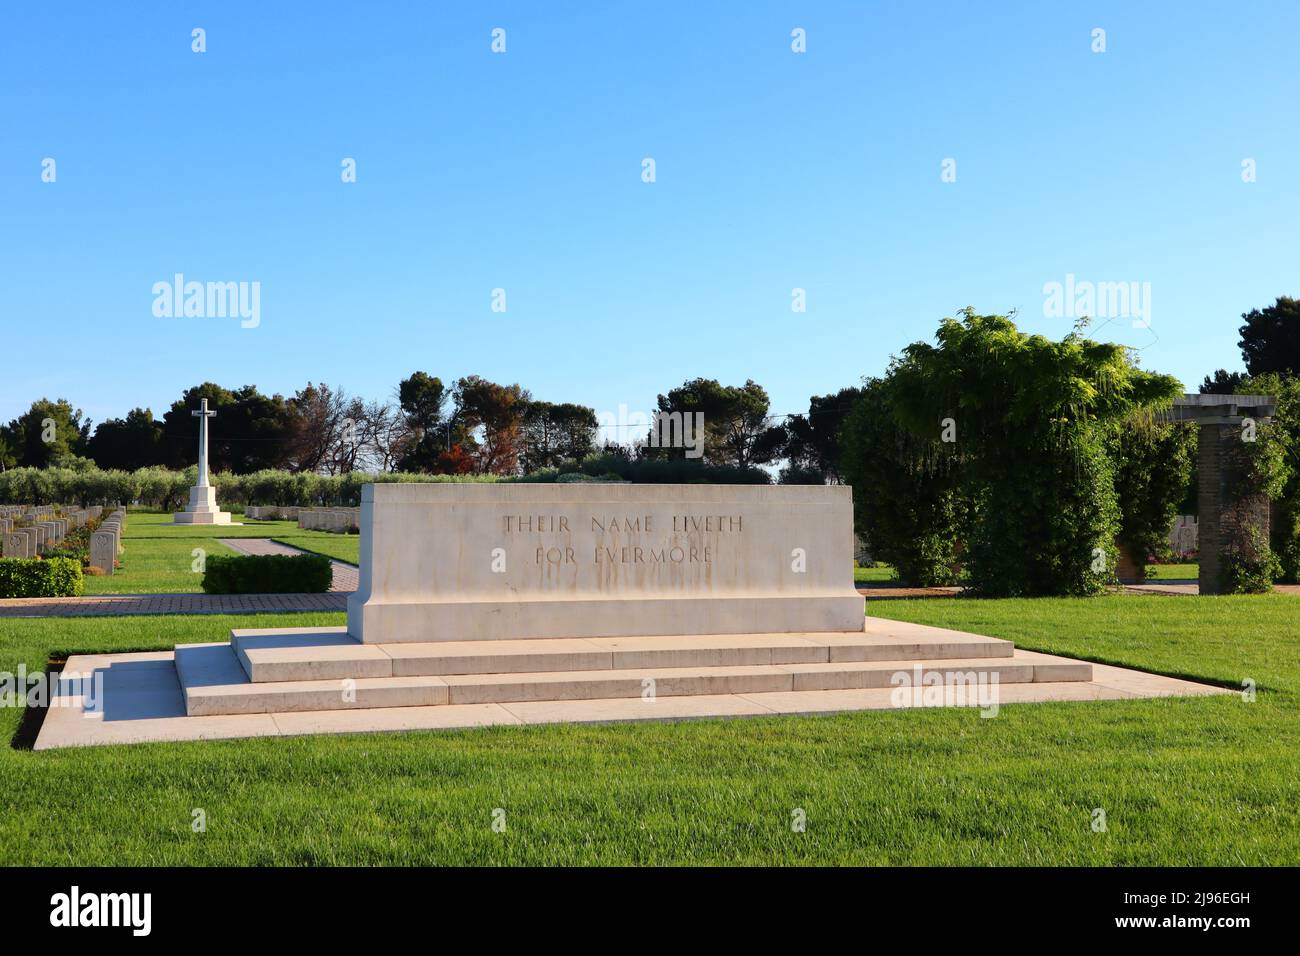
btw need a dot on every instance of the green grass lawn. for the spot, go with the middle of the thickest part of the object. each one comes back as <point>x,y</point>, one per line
<point>1169,572</point>
<point>878,575</point>
<point>341,547</point>
<point>159,557</point>
<point>1161,572</point>
<point>1205,781</point>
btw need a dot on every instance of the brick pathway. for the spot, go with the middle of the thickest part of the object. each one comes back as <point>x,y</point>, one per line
<point>1191,587</point>
<point>110,604</point>
<point>336,600</point>
<point>347,577</point>
<point>346,580</point>
<point>879,591</point>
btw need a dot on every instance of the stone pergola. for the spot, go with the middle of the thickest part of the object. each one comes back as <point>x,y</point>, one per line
<point>1227,514</point>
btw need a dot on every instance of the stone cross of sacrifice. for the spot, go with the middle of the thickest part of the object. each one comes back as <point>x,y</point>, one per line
<point>202,414</point>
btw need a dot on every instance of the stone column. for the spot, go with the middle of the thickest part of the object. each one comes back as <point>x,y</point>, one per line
<point>1227,516</point>
<point>1127,569</point>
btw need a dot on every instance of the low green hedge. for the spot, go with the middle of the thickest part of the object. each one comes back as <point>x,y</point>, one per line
<point>267,574</point>
<point>34,577</point>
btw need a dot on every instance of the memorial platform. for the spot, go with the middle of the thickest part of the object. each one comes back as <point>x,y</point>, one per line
<point>520,603</point>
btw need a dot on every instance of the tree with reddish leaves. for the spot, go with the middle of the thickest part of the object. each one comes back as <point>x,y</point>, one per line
<point>492,417</point>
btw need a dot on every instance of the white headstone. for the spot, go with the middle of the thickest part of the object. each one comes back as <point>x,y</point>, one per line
<point>103,550</point>
<point>16,545</point>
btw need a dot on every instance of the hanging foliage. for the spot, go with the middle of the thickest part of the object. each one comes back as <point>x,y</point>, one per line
<point>1006,453</point>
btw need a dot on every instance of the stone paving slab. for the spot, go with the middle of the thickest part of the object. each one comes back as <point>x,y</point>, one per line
<point>142,702</point>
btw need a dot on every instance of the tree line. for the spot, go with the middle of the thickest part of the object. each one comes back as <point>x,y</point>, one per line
<point>471,427</point>
<point>1004,460</point>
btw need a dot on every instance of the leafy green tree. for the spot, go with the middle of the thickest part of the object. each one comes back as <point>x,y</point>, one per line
<point>250,431</point>
<point>1027,418</point>
<point>1281,439</point>
<point>422,399</point>
<point>907,504</point>
<point>813,440</point>
<point>556,433</point>
<point>736,423</point>
<point>1154,464</point>
<point>127,443</point>
<point>1222,382</point>
<point>1270,339</point>
<point>48,433</point>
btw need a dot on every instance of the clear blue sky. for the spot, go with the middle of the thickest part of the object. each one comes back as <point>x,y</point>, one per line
<point>523,171</point>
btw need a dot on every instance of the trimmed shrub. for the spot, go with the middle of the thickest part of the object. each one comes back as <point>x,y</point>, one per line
<point>71,550</point>
<point>267,574</point>
<point>33,577</point>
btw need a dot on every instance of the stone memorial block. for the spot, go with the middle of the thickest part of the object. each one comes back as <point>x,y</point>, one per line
<point>466,562</point>
<point>33,541</point>
<point>103,550</point>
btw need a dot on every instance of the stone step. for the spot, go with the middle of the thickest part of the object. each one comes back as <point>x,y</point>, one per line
<point>214,682</point>
<point>289,654</point>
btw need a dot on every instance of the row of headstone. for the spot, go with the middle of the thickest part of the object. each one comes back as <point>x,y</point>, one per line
<point>28,532</point>
<point>272,512</point>
<point>106,543</point>
<point>337,520</point>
